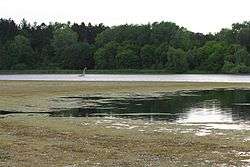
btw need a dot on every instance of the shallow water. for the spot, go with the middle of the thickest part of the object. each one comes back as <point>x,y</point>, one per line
<point>219,109</point>
<point>119,77</point>
<point>209,106</point>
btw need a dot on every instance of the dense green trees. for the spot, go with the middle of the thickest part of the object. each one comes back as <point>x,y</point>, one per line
<point>176,60</point>
<point>165,46</point>
<point>18,54</point>
<point>53,46</point>
<point>127,58</point>
<point>8,30</point>
<point>64,42</point>
<point>148,56</point>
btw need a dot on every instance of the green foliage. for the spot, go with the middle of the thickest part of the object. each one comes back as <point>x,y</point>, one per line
<point>70,53</point>
<point>139,35</point>
<point>176,60</point>
<point>162,55</point>
<point>244,37</point>
<point>212,56</point>
<point>163,32</point>
<point>182,39</point>
<point>148,57</point>
<point>105,57</point>
<point>162,46</point>
<point>2,57</point>
<point>126,58</point>
<point>8,30</point>
<point>241,56</point>
<point>77,56</point>
<point>20,54</point>
<point>194,58</point>
<point>238,61</point>
<point>231,68</point>
<point>63,42</point>
<point>226,35</point>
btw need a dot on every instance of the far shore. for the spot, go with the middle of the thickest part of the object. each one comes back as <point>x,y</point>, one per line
<point>93,71</point>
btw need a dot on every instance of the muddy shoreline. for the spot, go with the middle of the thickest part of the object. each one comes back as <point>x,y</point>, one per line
<point>39,140</point>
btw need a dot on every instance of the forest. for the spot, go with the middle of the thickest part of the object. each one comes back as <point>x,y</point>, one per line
<point>154,46</point>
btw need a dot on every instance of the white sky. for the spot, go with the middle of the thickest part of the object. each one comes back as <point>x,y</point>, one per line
<point>196,15</point>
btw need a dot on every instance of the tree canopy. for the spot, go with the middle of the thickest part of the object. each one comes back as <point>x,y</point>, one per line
<point>160,45</point>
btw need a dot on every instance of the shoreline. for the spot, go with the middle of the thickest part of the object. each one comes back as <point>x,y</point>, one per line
<point>32,139</point>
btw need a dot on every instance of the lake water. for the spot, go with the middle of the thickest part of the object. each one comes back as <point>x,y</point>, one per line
<point>223,109</point>
<point>220,106</point>
<point>113,77</point>
<point>214,107</point>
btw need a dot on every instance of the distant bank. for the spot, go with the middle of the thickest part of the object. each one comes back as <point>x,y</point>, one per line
<point>127,71</point>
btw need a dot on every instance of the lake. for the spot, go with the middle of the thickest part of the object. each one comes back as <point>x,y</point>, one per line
<point>224,108</point>
<point>219,105</point>
<point>119,77</point>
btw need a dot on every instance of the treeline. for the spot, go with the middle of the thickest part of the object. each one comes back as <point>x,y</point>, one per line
<point>53,46</point>
<point>158,46</point>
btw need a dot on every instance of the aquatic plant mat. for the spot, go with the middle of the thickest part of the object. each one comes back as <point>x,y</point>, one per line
<point>30,135</point>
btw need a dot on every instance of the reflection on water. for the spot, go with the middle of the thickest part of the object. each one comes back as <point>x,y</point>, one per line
<point>209,106</point>
<point>214,107</point>
<point>210,111</point>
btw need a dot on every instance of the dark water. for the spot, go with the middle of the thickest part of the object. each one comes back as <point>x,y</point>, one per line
<point>218,106</point>
<point>228,106</point>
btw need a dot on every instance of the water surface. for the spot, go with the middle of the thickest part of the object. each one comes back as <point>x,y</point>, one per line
<point>118,77</point>
<point>207,106</point>
<point>215,108</point>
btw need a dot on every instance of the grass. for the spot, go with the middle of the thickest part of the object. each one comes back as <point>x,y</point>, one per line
<point>39,140</point>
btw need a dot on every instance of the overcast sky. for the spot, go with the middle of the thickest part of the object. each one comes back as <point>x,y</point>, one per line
<point>196,15</point>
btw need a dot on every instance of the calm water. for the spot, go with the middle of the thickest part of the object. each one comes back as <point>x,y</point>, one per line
<point>111,77</point>
<point>210,106</point>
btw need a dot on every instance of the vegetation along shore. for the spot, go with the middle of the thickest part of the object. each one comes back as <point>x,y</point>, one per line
<point>162,46</point>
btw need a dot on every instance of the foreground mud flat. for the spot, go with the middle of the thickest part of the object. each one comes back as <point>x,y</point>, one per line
<point>40,140</point>
<point>46,141</point>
